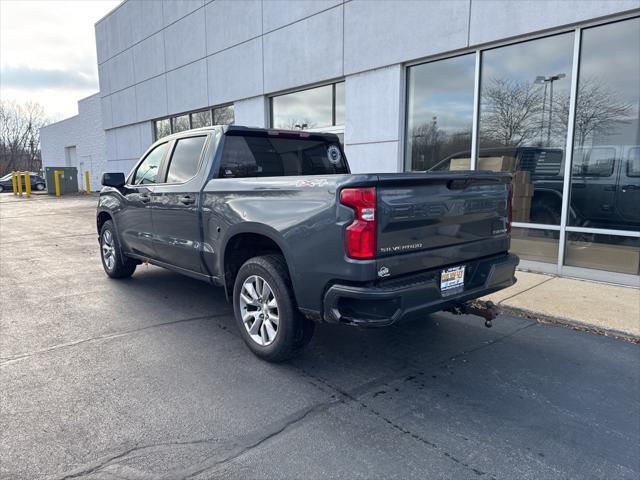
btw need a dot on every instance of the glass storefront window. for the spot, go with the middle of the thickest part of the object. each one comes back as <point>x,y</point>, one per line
<point>201,119</point>
<point>535,245</point>
<point>179,124</point>
<point>524,111</point>
<point>603,252</point>
<point>163,128</point>
<point>223,115</point>
<point>440,113</point>
<point>309,109</point>
<point>339,106</point>
<point>605,181</point>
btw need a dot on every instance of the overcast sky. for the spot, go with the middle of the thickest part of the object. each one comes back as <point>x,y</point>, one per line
<point>48,53</point>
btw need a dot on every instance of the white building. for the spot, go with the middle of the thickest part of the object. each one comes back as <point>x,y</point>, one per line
<point>408,84</point>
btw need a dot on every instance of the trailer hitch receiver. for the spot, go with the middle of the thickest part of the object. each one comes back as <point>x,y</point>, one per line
<point>487,310</point>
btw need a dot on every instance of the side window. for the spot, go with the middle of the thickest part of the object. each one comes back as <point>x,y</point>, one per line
<point>596,162</point>
<point>633,163</point>
<point>185,159</point>
<point>237,159</point>
<point>147,171</point>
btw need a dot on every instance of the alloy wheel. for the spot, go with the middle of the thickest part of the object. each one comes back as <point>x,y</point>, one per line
<point>259,310</point>
<point>108,250</point>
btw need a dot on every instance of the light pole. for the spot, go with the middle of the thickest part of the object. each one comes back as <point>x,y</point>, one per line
<point>548,80</point>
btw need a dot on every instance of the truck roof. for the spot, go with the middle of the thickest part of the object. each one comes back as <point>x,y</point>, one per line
<point>257,131</point>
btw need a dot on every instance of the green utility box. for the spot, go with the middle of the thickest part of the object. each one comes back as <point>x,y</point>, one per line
<point>68,180</point>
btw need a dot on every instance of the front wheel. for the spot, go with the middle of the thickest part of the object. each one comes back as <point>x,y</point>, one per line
<point>40,187</point>
<point>115,264</point>
<point>265,309</point>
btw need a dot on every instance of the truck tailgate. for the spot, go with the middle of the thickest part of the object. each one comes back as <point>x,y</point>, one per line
<point>439,219</point>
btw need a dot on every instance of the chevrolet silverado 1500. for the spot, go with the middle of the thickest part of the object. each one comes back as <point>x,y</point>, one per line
<point>277,219</point>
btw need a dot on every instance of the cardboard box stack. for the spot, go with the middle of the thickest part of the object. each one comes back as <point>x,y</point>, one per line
<point>522,193</point>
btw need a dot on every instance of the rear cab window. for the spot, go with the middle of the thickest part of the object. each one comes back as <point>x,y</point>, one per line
<point>185,159</point>
<point>249,154</point>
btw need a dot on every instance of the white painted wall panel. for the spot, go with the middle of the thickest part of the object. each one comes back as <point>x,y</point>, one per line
<point>151,98</point>
<point>120,70</point>
<point>187,87</point>
<point>305,52</point>
<point>373,105</point>
<point>278,13</point>
<point>146,18</point>
<point>230,22</point>
<point>251,112</point>
<point>107,113</point>
<point>185,40</point>
<point>176,9</point>
<point>148,57</point>
<point>123,106</point>
<point>498,19</point>
<point>236,72</point>
<point>373,157</point>
<point>386,32</point>
<point>128,142</point>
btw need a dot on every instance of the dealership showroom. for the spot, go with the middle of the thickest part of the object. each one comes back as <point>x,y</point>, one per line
<point>548,91</point>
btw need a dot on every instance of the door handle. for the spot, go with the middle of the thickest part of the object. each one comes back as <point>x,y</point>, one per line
<point>578,185</point>
<point>624,188</point>
<point>145,198</point>
<point>187,200</point>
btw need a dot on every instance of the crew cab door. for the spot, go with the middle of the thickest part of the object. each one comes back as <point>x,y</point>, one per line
<point>134,221</point>
<point>176,205</point>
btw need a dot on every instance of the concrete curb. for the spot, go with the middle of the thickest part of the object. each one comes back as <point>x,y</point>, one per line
<point>569,323</point>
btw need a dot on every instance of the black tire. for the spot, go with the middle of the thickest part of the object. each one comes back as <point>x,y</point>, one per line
<point>40,187</point>
<point>1,189</point>
<point>292,333</point>
<point>122,266</point>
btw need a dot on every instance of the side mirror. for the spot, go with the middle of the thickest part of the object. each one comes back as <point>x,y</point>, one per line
<point>115,180</point>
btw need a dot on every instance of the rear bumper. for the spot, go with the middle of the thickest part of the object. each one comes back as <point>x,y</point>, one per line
<point>389,301</point>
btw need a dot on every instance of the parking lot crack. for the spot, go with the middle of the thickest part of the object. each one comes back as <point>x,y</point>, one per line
<point>16,358</point>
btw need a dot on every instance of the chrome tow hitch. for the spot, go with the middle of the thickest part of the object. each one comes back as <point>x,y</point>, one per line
<point>487,310</point>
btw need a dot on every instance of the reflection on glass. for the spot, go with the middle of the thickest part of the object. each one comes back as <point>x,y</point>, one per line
<point>163,128</point>
<point>311,108</point>
<point>524,111</point>
<point>605,184</point>
<point>339,113</point>
<point>603,252</point>
<point>440,112</point>
<point>535,245</point>
<point>180,123</point>
<point>223,115</point>
<point>201,119</point>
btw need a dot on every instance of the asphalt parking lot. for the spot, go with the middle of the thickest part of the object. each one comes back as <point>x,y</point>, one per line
<point>147,378</point>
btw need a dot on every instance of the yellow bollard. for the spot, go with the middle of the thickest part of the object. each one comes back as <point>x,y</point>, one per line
<point>87,181</point>
<point>14,183</point>
<point>19,180</point>
<point>56,175</point>
<point>27,183</point>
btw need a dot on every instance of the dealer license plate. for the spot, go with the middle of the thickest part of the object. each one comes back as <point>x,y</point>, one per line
<point>452,280</point>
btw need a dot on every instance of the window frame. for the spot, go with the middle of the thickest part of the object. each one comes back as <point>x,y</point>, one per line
<point>166,165</point>
<point>325,128</point>
<point>149,151</point>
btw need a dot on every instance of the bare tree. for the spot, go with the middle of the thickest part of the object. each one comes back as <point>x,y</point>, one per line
<point>20,136</point>
<point>510,112</point>
<point>598,111</point>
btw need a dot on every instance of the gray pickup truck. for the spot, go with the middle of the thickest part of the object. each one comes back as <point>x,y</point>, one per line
<point>276,218</point>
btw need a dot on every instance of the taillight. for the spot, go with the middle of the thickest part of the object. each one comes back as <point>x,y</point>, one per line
<point>360,236</point>
<point>510,208</point>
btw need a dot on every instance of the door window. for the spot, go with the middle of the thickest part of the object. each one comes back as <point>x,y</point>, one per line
<point>147,171</point>
<point>185,159</point>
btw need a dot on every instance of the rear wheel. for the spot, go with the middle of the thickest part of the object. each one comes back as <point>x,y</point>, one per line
<point>265,309</point>
<point>40,186</point>
<point>1,189</point>
<point>115,264</point>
